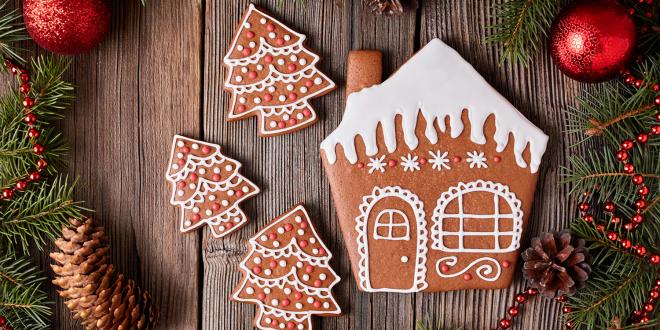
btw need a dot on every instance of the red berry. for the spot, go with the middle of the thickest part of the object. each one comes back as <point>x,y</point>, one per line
<point>584,207</point>
<point>612,236</point>
<point>532,291</point>
<point>504,323</point>
<point>629,168</point>
<point>588,218</point>
<point>648,308</point>
<point>42,163</point>
<point>21,185</point>
<point>642,137</point>
<point>640,204</point>
<point>657,101</point>
<point>655,259</point>
<point>14,70</point>
<point>33,133</point>
<point>640,250</point>
<point>391,163</point>
<point>521,298</point>
<point>3,320</point>
<point>567,309</point>
<point>655,130</point>
<point>514,311</point>
<point>637,218</point>
<point>621,155</point>
<point>562,298</point>
<point>8,193</point>
<point>629,226</point>
<point>654,294</point>
<point>38,149</point>
<point>643,191</point>
<point>637,179</point>
<point>600,227</point>
<point>25,77</point>
<point>28,102</point>
<point>568,325</point>
<point>24,88</point>
<point>34,176</point>
<point>615,220</point>
<point>609,206</point>
<point>30,118</point>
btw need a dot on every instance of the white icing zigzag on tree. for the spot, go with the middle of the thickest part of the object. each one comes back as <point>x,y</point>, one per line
<point>437,82</point>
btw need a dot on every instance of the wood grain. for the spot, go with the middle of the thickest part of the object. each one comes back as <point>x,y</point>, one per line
<point>160,72</point>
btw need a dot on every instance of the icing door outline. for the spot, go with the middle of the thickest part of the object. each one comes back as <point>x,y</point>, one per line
<point>396,218</point>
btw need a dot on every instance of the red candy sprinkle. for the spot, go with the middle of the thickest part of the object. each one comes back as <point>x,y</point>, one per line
<point>281,124</point>
<point>215,206</point>
<point>270,27</point>
<point>303,225</point>
<point>293,96</point>
<point>288,227</point>
<point>256,270</point>
<point>206,149</point>
<point>506,264</point>
<point>216,177</point>
<point>467,277</point>
<point>291,67</point>
<point>239,193</point>
<point>181,184</point>
<point>252,74</point>
<point>321,251</point>
<point>268,59</point>
<point>181,162</point>
<point>185,150</point>
<point>290,325</point>
<point>272,236</point>
<point>247,51</point>
<point>307,112</point>
<point>229,225</point>
<point>192,176</point>
<point>317,283</point>
<point>268,97</point>
<point>261,296</point>
<point>317,304</point>
<point>309,269</point>
<point>303,244</point>
<point>360,165</point>
<point>298,295</point>
<point>279,41</point>
<point>456,159</point>
<point>497,159</point>
<point>272,264</point>
<point>444,268</point>
<point>309,83</point>
<point>241,108</point>
<point>250,34</point>
<point>292,121</point>
<point>196,217</point>
<point>423,161</point>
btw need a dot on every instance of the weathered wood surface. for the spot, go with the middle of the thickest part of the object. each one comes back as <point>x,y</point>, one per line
<point>160,72</point>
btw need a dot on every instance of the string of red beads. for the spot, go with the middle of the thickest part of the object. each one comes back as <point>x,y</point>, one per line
<point>514,310</point>
<point>33,133</point>
<point>4,325</point>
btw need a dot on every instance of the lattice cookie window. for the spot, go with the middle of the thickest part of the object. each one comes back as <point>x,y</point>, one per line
<point>392,225</point>
<point>458,228</point>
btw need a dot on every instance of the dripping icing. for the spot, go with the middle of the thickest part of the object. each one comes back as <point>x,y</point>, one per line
<point>436,83</point>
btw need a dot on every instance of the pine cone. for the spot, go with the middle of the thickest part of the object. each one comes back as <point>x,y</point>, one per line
<point>556,263</point>
<point>388,7</point>
<point>93,291</point>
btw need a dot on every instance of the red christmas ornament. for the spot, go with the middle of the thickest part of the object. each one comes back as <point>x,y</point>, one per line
<point>592,40</point>
<point>68,27</point>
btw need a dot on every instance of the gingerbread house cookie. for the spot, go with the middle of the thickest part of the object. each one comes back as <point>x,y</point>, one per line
<point>433,173</point>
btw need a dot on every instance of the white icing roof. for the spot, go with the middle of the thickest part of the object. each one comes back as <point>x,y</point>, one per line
<point>437,82</point>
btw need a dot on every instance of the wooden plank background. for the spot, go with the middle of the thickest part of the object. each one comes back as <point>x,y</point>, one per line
<point>160,72</point>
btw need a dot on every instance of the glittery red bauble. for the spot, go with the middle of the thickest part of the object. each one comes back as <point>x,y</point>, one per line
<point>67,27</point>
<point>592,40</point>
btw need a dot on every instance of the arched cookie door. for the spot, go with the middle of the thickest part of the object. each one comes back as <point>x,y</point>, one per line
<point>392,238</point>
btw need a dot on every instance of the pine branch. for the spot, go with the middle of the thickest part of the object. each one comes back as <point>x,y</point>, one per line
<point>38,214</point>
<point>522,26</point>
<point>22,301</point>
<point>11,32</point>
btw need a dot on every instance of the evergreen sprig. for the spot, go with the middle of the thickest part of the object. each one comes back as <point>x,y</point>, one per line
<point>11,32</point>
<point>521,27</point>
<point>22,301</point>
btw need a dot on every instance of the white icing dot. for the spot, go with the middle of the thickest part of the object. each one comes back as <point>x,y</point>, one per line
<point>208,212</point>
<point>318,81</point>
<point>282,98</point>
<point>305,277</point>
<point>315,251</point>
<point>180,192</point>
<point>257,100</point>
<point>287,290</point>
<point>299,264</point>
<point>303,89</point>
<point>273,124</point>
<point>239,47</point>
<point>280,61</point>
<point>404,259</point>
<point>293,58</point>
<point>300,116</point>
<point>222,228</point>
<point>242,100</point>
<point>276,244</point>
<point>262,21</point>
<point>298,219</point>
<point>245,189</point>
<point>285,117</point>
<point>202,171</point>
<point>267,290</point>
<point>257,260</point>
<point>228,167</point>
<point>180,144</point>
<point>301,232</point>
<point>287,37</point>
<point>289,87</point>
<point>271,89</point>
<point>260,67</point>
<point>282,325</point>
<point>225,202</point>
<point>310,300</point>
<point>252,44</point>
<point>175,166</point>
<point>272,35</point>
<point>192,186</point>
<point>268,320</point>
<point>212,198</point>
<point>263,238</point>
<point>247,25</point>
<point>196,209</point>
<point>282,263</point>
<point>268,272</point>
<point>302,61</point>
<point>299,306</point>
<point>326,305</point>
<point>216,170</point>
<point>237,219</point>
<point>312,240</point>
<point>275,302</point>
<point>195,146</point>
<point>179,155</point>
<point>230,193</point>
<point>239,78</point>
<point>322,276</point>
<point>249,290</point>
<point>280,230</point>
<point>187,223</point>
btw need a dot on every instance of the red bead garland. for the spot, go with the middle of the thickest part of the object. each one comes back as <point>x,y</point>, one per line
<point>33,133</point>
<point>513,311</point>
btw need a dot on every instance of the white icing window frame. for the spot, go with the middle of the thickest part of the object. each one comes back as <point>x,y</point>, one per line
<point>457,192</point>
<point>417,205</point>
<point>391,225</point>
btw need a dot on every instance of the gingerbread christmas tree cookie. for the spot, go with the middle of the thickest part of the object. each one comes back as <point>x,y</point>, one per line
<point>287,274</point>
<point>207,187</point>
<point>433,173</point>
<point>271,75</point>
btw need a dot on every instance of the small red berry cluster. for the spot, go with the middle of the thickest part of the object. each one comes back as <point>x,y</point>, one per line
<point>33,133</point>
<point>4,325</point>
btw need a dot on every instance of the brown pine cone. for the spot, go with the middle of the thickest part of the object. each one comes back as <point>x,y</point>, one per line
<point>389,7</point>
<point>93,291</point>
<point>556,263</point>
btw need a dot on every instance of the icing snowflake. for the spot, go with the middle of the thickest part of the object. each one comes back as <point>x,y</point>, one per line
<point>477,159</point>
<point>439,161</point>
<point>410,163</point>
<point>376,164</point>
